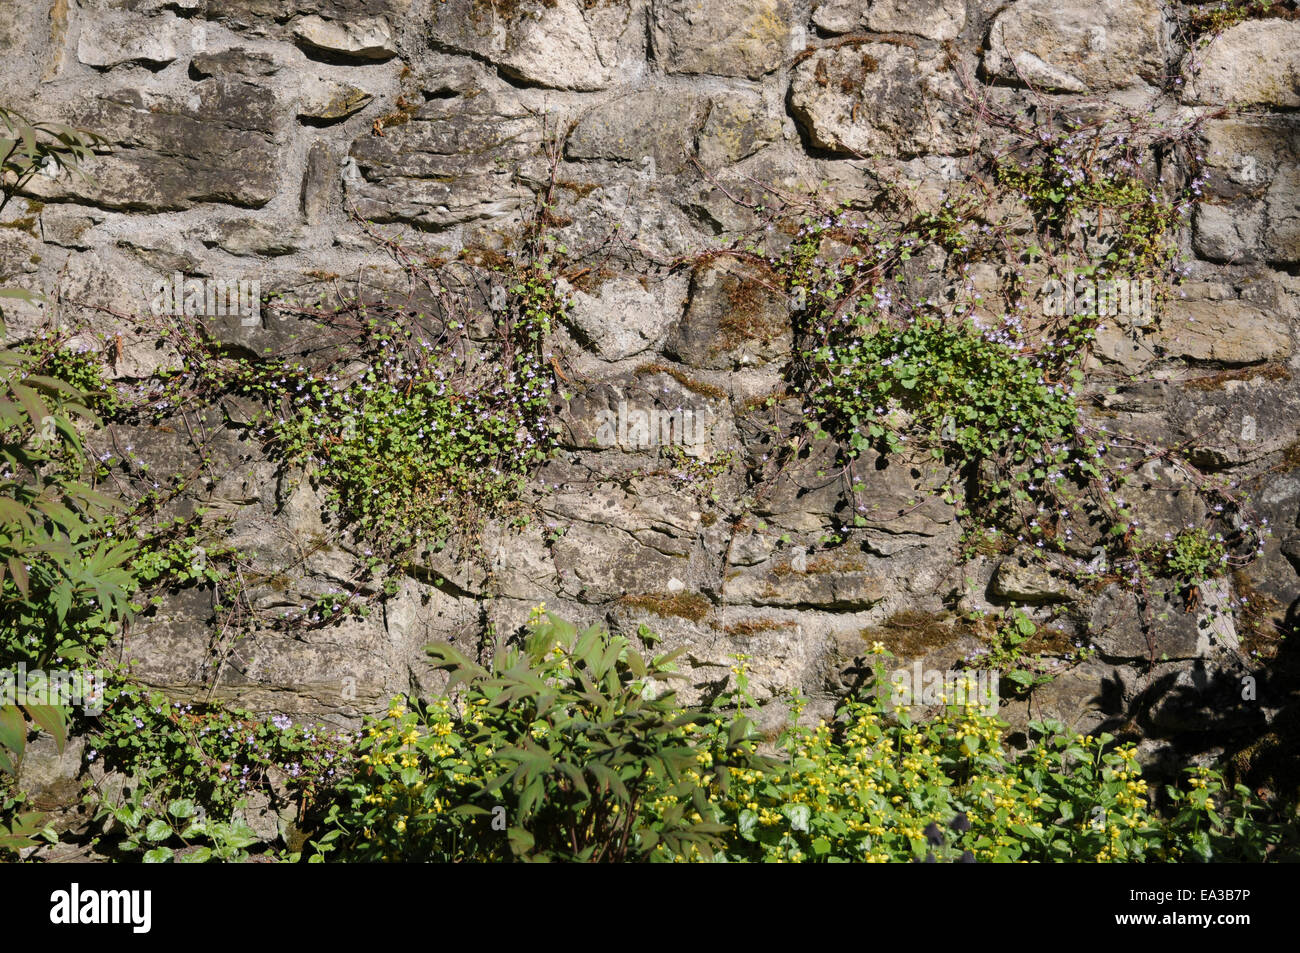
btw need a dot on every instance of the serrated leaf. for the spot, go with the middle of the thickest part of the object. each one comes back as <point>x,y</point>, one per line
<point>157,830</point>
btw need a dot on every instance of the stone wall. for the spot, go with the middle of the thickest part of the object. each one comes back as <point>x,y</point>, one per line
<point>252,137</point>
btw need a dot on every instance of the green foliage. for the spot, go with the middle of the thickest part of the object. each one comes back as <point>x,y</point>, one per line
<point>1192,556</point>
<point>179,830</point>
<point>909,340</point>
<point>28,147</point>
<point>209,754</point>
<point>189,771</point>
<point>83,371</point>
<point>58,578</point>
<point>409,453</point>
<point>20,829</point>
<point>14,728</point>
<point>1207,22</point>
<point>1007,653</point>
<point>571,745</point>
<point>987,397</point>
<point>873,785</point>
<point>1069,191</point>
<point>564,744</point>
<point>175,554</point>
<point>960,386</point>
<point>62,584</point>
<point>418,425</point>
